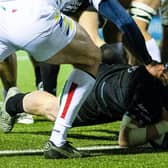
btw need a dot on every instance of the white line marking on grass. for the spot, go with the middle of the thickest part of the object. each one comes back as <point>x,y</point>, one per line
<point>106,147</point>
<point>21,152</point>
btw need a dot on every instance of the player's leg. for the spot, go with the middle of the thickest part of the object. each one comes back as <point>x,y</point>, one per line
<point>113,37</point>
<point>49,74</point>
<point>8,73</point>
<point>39,103</point>
<point>78,86</point>
<point>37,73</point>
<point>111,52</point>
<point>57,39</point>
<point>35,103</point>
<point>68,44</point>
<point>89,20</point>
<point>142,11</point>
<point>45,76</point>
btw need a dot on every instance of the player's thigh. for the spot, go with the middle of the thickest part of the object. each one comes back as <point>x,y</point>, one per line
<point>81,50</point>
<point>65,43</point>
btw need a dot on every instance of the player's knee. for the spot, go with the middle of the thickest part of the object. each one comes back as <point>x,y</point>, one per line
<point>51,117</point>
<point>51,109</point>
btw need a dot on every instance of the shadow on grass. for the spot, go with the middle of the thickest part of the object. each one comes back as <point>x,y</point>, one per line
<point>93,137</point>
<point>112,137</point>
<point>100,149</point>
<point>31,133</point>
<point>89,151</point>
<point>121,151</point>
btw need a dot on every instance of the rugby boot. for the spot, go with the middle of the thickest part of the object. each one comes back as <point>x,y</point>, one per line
<point>6,121</point>
<point>66,151</point>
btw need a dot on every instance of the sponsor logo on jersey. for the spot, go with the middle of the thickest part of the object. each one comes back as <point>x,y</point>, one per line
<point>132,69</point>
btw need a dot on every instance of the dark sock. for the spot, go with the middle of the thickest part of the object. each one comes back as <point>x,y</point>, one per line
<point>112,55</point>
<point>37,75</point>
<point>49,75</point>
<point>15,104</point>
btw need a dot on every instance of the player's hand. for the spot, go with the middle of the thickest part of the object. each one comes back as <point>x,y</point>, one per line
<point>164,78</point>
<point>156,70</point>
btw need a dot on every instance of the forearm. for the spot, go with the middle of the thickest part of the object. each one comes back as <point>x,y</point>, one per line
<point>113,11</point>
<point>131,135</point>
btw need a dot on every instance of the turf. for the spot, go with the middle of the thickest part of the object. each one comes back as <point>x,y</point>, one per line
<point>35,136</point>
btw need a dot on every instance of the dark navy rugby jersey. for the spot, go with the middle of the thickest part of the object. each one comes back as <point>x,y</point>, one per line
<point>122,88</point>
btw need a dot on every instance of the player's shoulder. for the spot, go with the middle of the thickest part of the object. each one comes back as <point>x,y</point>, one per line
<point>113,67</point>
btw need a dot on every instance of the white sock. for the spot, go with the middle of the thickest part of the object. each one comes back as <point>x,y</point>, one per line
<point>76,90</point>
<point>153,49</point>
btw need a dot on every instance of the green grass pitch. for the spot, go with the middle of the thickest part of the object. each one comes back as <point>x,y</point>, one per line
<point>34,136</point>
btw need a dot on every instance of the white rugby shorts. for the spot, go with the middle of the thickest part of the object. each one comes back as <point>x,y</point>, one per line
<point>36,26</point>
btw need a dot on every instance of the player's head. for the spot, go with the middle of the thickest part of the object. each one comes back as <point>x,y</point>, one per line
<point>145,97</point>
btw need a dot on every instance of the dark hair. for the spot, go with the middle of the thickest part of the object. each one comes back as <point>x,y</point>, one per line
<point>145,97</point>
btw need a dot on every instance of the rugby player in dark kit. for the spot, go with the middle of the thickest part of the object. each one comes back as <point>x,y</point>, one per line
<point>57,146</point>
<point>133,95</point>
<point>122,92</point>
